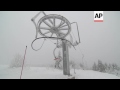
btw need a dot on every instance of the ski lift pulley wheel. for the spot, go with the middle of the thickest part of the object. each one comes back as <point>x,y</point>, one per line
<point>51,28</point>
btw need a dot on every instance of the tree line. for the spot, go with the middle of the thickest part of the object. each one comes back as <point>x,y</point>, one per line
<point>104,67</point>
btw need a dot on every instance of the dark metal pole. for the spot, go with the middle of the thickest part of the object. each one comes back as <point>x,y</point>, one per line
<point>66,68</point>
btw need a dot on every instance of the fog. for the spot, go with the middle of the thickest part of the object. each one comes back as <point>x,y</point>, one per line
<point>98,40</point>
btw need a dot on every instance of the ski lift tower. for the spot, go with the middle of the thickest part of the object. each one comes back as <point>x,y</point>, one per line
<point>55,32</point>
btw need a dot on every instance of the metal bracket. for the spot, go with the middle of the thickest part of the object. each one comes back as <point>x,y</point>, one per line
<point>33,20</point>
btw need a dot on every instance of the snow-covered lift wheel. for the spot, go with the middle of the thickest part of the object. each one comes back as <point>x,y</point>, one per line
<point>52,28</point>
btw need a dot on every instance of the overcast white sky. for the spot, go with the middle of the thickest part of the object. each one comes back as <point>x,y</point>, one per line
<point>98,40</point>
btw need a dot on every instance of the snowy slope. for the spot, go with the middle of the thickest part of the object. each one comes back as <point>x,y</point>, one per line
<point>50,73</point>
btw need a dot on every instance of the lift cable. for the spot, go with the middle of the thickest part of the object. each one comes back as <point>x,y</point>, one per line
<point>48,38</point>
<point>79,40</point>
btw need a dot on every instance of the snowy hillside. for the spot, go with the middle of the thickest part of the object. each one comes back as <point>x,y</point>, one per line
<point>50,73</point>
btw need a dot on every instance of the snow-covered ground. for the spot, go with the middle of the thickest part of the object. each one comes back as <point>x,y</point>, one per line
<point>50,73</point>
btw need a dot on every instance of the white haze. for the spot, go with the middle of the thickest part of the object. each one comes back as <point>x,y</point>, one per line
<point>98,40</point>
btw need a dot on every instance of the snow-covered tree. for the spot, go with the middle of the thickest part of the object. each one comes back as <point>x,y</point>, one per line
<point>115,66</point>
<point>101,66</point>
<point>110,68</point>
<point>17,61</point>
<point>106,67</point>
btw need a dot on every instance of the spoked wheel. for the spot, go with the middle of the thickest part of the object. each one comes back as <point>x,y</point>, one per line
<point>54,26</point>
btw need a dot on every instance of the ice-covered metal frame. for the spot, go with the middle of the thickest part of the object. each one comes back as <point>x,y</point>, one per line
<point>51,27</point>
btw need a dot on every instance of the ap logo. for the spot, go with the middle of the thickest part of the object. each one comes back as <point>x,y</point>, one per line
<point>98,16</point>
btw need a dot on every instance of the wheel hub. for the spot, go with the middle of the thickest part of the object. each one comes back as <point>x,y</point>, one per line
<point>54,30</point>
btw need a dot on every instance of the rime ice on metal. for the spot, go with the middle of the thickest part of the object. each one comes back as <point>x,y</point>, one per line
<point>56,27</point>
